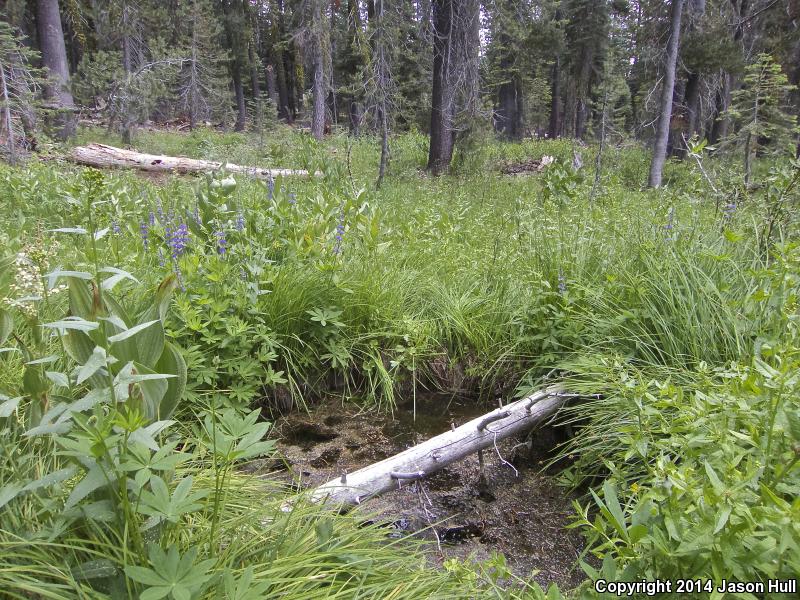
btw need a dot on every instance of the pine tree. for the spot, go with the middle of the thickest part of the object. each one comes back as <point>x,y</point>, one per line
<point>759,108</point>
<point>19,83</point>
<point>202,83</point>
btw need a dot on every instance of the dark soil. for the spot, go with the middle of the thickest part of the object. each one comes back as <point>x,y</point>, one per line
<point>515,510</point>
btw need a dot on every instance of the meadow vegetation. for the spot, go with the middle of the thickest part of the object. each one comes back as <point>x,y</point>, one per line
<point>150,325</point>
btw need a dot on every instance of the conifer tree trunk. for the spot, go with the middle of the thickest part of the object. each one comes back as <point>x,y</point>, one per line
<point>554,129</point>
<point>238,90</point>
<point>662,129</point>
<point>54,57</point>
<point>442,137</point>
<point>320,87</point>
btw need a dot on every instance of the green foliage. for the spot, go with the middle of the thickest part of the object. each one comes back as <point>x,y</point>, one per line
<point>668,304</point>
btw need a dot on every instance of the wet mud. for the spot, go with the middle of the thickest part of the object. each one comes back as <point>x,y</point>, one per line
<point>513,508</point>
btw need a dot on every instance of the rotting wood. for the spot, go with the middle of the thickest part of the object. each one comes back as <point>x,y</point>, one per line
<point>444,449</point>
<point>104,156</point>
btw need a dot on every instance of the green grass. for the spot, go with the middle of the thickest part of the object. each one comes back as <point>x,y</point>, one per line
<point>474,282</point>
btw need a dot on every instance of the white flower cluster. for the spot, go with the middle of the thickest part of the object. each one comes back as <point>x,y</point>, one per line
<point>28,286</point>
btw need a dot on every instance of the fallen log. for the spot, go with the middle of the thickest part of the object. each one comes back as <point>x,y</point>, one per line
<point>103,156</point>
<point>444,449</point>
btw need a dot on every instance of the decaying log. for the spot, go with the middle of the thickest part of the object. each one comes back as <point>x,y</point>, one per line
<point>438,452</point>
<point>102,156</point>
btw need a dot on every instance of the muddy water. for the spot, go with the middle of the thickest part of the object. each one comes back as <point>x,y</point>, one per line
<point>514,509</point>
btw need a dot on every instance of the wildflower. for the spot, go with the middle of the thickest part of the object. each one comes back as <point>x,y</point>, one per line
<point>728,210</point>
<point>178,239</point>
<point>670,225</point>
<point>151,218</point>
<point>337,248</point>
<point>160,210</point>
<point>292,198</point>
<point>222,243</point>
<point>562,282</point>
<point>115,227</point>
<point>240,222</point>
<point>270,188</point>
<point>144,229</point>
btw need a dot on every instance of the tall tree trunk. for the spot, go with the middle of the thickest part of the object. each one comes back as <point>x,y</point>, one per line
<point>238,90</point>
<point>662,129</point>
<point>284,105</point>
<point>554,130</point>
<point>320,87</point>
<point>382,81</point>
<point>719,128</point>
<point>272,85</point>
<point>54,57</point>
<point>442,136</point>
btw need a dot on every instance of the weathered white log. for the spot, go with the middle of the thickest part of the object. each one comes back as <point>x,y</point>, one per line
<point>102,156</point>
<point>438,452</point>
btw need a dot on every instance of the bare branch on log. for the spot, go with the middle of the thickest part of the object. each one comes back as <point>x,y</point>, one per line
<point>103,156</point>
<point>444,449</point>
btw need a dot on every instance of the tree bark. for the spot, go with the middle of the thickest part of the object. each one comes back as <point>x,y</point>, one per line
<point>719,128</point>
<point>102,156</point>
<point>320,88</point>
<point>554,130</point>
<point>442,450</point>
<point>662,129</point>
<point>54,58</point>
<point>442,136</point>
<point>238,90</point>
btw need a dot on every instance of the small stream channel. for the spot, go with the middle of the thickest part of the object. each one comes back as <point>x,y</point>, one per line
<point>517,510</point>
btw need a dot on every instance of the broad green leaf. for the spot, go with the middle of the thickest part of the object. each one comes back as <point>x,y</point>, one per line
<point>722,518</point>
<point>82,303</point>
<point>9,492</point>
<point>43,361</point>
<point>171,362</point>
<point>145,576</point>
<point>6,325</point>
<point>94,479</point>
<point>96,362</point>
<point>118,275</point>
<point>78,345</point>
<point>76,324</point>
<point>95,569</point>
<point>131,332</point>
<point>79,230</point>
<point>718,486</point>
<point>9,405</point>
<point>51,479</point>
<point>54,276</point>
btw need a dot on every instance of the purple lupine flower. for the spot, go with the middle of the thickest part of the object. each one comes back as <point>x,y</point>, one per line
<point>240,222</point>
<point>178,239</point>
<point>728,211</point>
<point>670,224</point>
<point>337,247</point>
<point>144,230</point>
<point>115,227</point>
<point>222,242</point>
<point>562,282</point>
<point>270,188</point>
<point>179,275</point>
<point>160,210</point>
<point>151,218</point>
<point>292,198</point>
